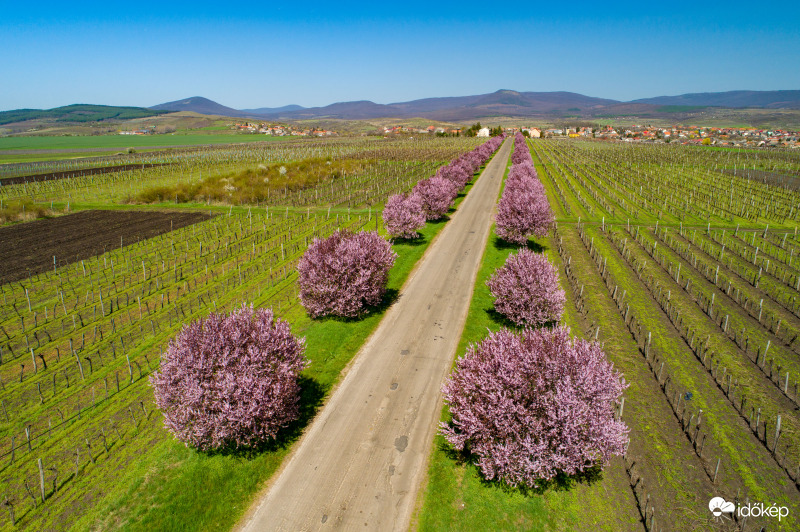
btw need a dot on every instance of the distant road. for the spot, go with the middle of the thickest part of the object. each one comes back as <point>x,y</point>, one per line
<point>361,462</point>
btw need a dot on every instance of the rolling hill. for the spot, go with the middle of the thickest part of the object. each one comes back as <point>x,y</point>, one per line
<point>499,104</point>
<point>731,99</point>
<point>201,105</point>
<point>273,110</point>
<point>77,113</point>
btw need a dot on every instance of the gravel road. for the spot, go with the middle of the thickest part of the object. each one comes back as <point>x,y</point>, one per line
<point>360,463</point>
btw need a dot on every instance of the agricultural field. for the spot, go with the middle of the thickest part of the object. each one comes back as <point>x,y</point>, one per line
<point>682,262</point>
<point>82,443</point>
<point>31,149</point>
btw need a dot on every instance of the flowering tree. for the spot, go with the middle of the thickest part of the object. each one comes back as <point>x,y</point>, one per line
<point>345,273</point>
<point>457,173</point>
<point>403,216</point>
<point>436,194</point>
<point>526,290</point>
<point>523,210</point>
<point>230,380</point>
<point>533,405</point>
<point>521,151</point>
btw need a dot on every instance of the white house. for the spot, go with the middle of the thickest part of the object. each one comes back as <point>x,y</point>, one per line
<point>483,132</point>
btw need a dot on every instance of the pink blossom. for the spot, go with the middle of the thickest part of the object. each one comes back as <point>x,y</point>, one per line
<point>526,289</point>
<point>533,405</point>
<point>230,380</point>
<point>436,194</point>
<point>403,216</point>
<point>523,210</point>
<point>345,273</point>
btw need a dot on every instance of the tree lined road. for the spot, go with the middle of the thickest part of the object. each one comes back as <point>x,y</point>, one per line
<point>360,463</point>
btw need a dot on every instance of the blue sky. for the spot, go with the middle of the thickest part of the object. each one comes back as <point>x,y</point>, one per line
<point>311,54</point>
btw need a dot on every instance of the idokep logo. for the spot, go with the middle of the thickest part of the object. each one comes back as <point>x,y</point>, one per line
<point>758,509</point>
<point>719,506</point>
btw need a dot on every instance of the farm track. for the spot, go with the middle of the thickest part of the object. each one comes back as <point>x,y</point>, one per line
<point>361,461</point>
<point>29,248</point>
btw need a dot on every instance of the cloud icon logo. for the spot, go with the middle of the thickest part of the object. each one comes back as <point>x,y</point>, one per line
<point>718,506</point>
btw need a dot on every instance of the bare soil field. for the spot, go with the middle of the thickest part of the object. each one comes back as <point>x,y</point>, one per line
<point>29,248</point>
<point>18,180</point>
<point>762,176</point>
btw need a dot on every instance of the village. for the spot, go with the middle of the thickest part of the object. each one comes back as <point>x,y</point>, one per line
<point>735,137</point>
<point>685,135</point>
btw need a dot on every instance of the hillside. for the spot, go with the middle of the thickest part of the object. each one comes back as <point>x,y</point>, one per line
<point>731,99</point>
<point>198,104</point>
<point>78,113</point>
<point>273,110</point>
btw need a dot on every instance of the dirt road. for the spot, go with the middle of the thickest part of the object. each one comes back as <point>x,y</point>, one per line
<point>360,463</point>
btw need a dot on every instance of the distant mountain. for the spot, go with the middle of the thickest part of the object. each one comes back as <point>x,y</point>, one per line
<point>499,103</point>
<point>77,113</point>
<point>198,104</point>
<point>731,99</point>
<point>273,110</point>
<point>358,110</point>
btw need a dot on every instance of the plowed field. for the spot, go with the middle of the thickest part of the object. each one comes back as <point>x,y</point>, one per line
<point>29,248</point>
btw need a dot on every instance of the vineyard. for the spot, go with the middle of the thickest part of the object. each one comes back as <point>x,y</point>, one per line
<point>82,330</point>
<point>683,264</point>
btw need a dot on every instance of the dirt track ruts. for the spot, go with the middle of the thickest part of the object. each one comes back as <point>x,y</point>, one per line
<point>360,463</point>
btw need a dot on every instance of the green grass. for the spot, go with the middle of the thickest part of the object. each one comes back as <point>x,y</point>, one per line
<point>79,143</point>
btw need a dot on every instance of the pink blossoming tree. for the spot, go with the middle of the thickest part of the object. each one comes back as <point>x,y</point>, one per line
<point>436,195</point>
<point>345,273</point>
<point>523,210</point>
<point>526,290</point>
<point>403,216</point>
<point>533,405</point>
<point>230,380</point>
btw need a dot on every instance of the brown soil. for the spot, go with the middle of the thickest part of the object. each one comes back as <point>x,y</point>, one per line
<point>29,248</point>
<point>72,173</point>
<point>762,176</point>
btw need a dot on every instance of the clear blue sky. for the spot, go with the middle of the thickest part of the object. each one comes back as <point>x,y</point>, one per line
<point>308,53</point>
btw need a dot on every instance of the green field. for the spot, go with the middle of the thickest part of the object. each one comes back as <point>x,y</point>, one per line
<point>47,148</point>
<point>87,143</point>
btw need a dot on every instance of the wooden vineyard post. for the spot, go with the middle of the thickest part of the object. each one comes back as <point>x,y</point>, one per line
<point>41,477</point>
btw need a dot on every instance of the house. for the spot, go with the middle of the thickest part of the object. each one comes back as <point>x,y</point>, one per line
<point>483,132</point>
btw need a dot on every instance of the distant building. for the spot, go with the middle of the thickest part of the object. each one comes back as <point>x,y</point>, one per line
<point>483,132</point>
